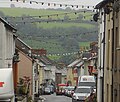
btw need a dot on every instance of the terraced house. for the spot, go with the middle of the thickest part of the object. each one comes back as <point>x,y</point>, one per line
<point>7,52</point>
<point>109,51</point>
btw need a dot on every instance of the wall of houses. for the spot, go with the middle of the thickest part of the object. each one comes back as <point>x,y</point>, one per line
<point>111,86</point>
<point>7,46</point>
<point>116,63</point>
<point>70,75</point>
<point>7,49</point>
<point>41,75</point>
<point>53,68</point>
<point>108,58</point>
<point>25,68</point>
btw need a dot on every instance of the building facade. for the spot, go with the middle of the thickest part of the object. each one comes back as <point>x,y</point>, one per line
<point>7,50</point>
<point>116,51</point>
<point>109,17</point>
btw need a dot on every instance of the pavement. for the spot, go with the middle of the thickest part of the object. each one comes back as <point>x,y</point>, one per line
<point>40,99</point>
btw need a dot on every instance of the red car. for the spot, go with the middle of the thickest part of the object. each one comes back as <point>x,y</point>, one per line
<point>60,89</point>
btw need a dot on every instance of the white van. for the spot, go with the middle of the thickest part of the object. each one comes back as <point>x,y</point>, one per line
<point>6,84</point>
<point>87,80</point>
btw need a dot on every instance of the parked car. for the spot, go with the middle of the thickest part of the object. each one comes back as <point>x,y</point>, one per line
<point>70,91</point>
<point>65,89</point>
<point>51,88</point>
<point>47,91</point>
<point>60,89</point>
<point>81,93</point>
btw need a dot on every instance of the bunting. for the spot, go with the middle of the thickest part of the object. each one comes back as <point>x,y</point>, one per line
<point>56,4</point>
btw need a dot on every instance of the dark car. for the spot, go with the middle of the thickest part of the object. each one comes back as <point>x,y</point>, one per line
<point>51,88</point>
<point>70,91</point>
<point>47,90</point>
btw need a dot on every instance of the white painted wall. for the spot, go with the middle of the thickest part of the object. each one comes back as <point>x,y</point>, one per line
<point>100,56</point>
<point>7,49</point>
<point>7,45</point>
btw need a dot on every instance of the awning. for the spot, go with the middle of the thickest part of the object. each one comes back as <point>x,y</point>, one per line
<point>62,84</point>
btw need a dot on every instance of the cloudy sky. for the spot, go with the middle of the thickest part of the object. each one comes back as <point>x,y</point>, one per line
<point>6,3</point>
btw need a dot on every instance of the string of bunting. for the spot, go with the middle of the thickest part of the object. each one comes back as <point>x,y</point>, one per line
<point>55,48</point>
<point>56,4</point>
<point>58,14</point>
<point>61,54</point>
<point>68,53</point>
<point>60,36</point>
<point>60,5</point>
<point>49,20</point>
<point>19,0</point>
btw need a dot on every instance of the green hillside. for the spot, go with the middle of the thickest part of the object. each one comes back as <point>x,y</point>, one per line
<point>42,12</point>
<point>57,37</point>
<point>65,25</point>
<point>18,12</point>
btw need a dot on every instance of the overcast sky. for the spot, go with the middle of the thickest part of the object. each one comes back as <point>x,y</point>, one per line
<point>6,3</point>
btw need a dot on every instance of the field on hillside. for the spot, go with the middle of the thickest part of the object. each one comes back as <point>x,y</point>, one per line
<point>43,14</point>
<point>15,12</point>
<point>69,33</point>
<point>49,25</point>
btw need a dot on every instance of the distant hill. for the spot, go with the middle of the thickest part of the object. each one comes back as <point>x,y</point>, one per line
<point>57,31</point>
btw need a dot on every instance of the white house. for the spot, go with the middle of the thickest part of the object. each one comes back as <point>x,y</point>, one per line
<point>101,50</point>
<point>7,50</point>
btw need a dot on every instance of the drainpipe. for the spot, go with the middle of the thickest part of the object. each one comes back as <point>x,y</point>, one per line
<point>103,57</point>
<point>113,56</point>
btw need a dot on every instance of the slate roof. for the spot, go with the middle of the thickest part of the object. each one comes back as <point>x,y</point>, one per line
<point>45,60</point>
<point>86,55</point>
<point>22,46</point>
<point>41,64</point>
<point>47,69</point>
<point>74,63</point>
<point>7,25</point>
<point>80,64</point>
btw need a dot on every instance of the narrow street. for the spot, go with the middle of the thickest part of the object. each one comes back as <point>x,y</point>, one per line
<point>54,98</point>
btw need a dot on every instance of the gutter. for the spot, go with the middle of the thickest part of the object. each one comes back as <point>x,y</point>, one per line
<point>102,4</point>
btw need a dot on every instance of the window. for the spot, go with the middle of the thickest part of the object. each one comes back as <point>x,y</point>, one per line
<point>35,86</point>
<point>117,37</point>
<point>111,93</point>
<point>107,93</point>
<point>116,14</point>
<point>82,90</point>
<point>119,91</point>
<point>108,50</point>
<point>109,17</point>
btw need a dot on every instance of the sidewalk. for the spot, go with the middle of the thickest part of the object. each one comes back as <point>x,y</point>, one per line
<point>40,99</point>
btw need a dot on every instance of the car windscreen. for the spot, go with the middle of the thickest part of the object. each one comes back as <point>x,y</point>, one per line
<point>87,84</point>
<point>82,90</point>
<point>71,88</point>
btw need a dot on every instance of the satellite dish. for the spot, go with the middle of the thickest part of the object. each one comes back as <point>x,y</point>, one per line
<point>95,17</point>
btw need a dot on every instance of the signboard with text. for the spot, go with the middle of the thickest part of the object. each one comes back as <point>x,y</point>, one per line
<point>6,83</point>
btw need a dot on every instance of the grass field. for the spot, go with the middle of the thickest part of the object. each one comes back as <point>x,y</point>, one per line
<point>49,25</point>
<point>51,45</point>
<point>15,12</point>
<point>18,12</point>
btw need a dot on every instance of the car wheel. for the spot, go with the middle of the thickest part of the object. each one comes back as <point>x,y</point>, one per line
<point>73,100</point>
